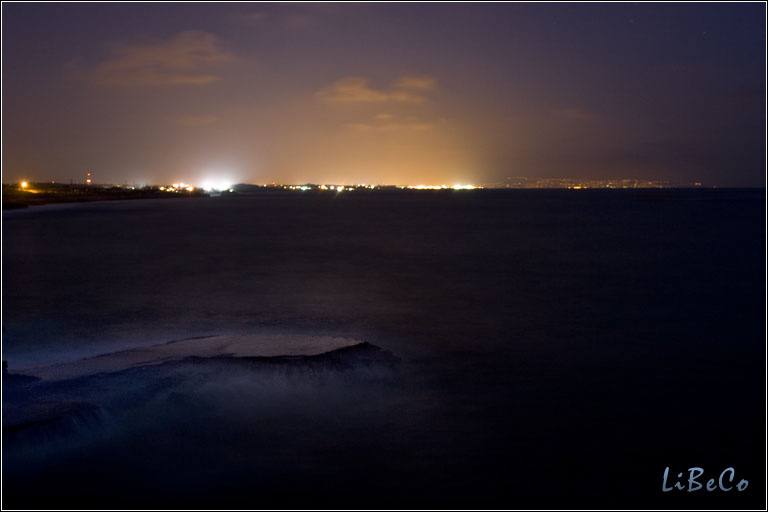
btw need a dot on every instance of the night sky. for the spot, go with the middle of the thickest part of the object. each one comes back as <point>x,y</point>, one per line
<point>383,93</point>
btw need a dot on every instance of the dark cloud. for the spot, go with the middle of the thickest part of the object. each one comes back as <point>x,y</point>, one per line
<point>185,59</point>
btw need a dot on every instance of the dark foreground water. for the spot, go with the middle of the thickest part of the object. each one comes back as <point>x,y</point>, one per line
<point>556,349</point>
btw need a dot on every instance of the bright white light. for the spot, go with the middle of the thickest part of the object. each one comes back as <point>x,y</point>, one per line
<point>217,185</point>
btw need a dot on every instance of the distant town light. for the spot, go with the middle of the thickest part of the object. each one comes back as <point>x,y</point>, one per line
<point>211,185</point>
<point>24,184</point>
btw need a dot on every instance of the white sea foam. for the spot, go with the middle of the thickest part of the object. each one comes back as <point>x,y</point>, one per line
<point>236,345</point>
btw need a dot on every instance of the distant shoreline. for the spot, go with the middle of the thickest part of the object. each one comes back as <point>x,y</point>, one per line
<point>14,199</point>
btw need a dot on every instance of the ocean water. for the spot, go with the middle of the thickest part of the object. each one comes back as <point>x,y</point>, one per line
<point>556,348</point>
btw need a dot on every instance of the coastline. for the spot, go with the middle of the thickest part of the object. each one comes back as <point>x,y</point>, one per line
<point>17,199</point>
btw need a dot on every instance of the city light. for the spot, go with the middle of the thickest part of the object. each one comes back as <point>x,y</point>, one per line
<point>361,186</point>
<point>215,185</point>
<point>425,187</point>
<point>441,187</point>
<point>24,184</point>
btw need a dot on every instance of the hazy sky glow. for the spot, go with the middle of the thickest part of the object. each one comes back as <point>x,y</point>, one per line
<point>383,93</point>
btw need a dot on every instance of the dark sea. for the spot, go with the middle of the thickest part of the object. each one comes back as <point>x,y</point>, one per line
<point>544,349</point>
